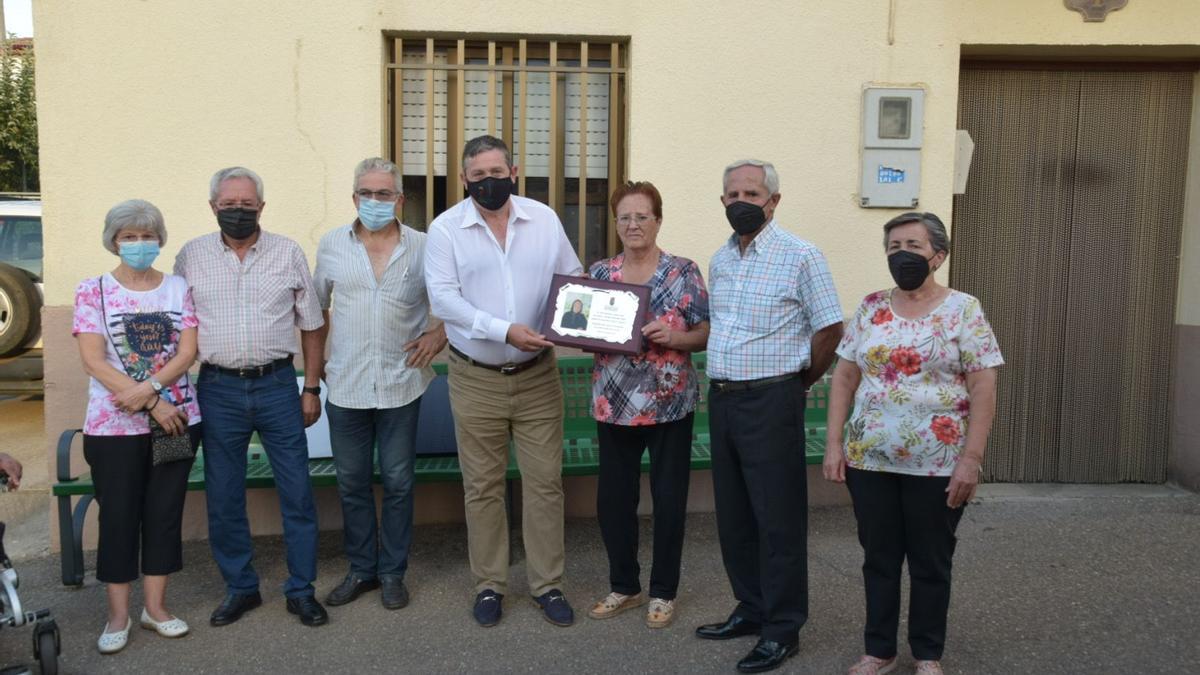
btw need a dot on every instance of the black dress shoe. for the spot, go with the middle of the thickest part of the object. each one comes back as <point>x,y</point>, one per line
<point>311,612</point>
<point>734,626</point>
<point>350,588</point>
<point>767,655</point>
<point>234,606</point>
<point>395,595</point>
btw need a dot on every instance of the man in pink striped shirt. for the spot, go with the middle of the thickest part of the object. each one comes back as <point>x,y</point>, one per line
<point>252,290</point>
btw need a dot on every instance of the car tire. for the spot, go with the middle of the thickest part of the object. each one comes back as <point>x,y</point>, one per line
<point>20,310</point>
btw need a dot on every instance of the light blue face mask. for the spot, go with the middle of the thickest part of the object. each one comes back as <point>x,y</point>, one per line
<point>139,255</point>
<point>375,215</point>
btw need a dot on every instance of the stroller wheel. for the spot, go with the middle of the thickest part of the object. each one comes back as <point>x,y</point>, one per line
<point>46,646</point>
<point>48,657</point>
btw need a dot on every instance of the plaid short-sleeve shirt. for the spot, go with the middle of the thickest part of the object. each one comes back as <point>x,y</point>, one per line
<point>766,305</point>
<point>249,309</point>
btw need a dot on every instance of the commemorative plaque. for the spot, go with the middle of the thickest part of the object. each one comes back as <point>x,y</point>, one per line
<point>595,315</point>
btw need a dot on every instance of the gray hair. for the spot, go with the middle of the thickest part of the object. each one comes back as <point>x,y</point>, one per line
<point>374,164</point>
<point>482,144</point>
<point>138,215</point>
<point>938,239</point>
<point>214,185</point>
<point>770,176</point>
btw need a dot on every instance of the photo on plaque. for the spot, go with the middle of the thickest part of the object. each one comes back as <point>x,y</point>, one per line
<point>576,314</point>
<point>599,316</point>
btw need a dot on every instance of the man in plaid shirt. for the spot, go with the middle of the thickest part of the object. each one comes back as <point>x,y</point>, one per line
<point>252,291</point>
<point>776,321</point>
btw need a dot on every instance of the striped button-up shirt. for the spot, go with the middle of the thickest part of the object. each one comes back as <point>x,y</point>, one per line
<point>766,304</point>
<point>372,320</point>
<point>249,309</point>
<point>480,289</point>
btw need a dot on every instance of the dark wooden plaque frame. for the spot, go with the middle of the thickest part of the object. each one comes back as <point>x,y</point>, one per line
<point>630,348</point>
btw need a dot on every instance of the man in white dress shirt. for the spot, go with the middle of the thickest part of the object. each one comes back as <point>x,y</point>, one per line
<point>488,264</point>
<point>372,272</point>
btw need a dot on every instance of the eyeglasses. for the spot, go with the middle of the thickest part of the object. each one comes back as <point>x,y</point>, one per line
<point>378,195</point>
<point>127,236</point>
<point>244,204</point>
<point>628,219</point>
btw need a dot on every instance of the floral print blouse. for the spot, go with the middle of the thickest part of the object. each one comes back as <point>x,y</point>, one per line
<point>659,385</point>
<point>911,408</point>
<point>141,336</point>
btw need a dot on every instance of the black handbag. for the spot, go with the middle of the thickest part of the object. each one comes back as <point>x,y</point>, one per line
<point>164,447</point>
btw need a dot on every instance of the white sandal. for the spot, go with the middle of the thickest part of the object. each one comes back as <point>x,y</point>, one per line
<point>614,603</point>
<point>111,643</point>
<point>873,665</point>
<point>661,613</point>
<point>171,628</point>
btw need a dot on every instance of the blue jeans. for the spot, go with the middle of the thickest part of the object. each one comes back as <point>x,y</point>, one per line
<point>354,435</point>
<point>236,408</point>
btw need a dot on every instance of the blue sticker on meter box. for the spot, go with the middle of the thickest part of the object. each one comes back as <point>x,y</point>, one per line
<point>889,175</point>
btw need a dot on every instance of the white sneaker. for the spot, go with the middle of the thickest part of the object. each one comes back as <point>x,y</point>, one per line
<point>111,643</point>
<point>171,628</point>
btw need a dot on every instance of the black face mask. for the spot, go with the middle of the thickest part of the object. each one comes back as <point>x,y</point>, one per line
<point>492,193</point>
<point>909,270</point>
<point>238,223</point>
<point>744,217</point>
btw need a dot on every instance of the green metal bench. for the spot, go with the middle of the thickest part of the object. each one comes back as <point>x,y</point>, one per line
<point>581,455</point>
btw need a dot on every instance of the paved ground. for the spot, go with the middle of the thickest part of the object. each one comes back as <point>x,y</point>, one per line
<point>22,435</point>
<point>1047,579</point>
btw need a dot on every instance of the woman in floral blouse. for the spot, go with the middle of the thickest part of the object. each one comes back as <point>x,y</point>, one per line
<point>136,329</point>
<point>919,361</point>
<point>647,401</point>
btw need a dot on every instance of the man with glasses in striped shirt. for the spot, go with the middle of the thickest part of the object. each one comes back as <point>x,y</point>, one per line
<point>372,273</point>
<point>776,321</point>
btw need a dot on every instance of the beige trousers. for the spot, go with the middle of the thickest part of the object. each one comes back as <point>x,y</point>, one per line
<point>488,406</point>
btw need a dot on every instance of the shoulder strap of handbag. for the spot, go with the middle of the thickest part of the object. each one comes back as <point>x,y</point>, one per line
<point>104,319</point>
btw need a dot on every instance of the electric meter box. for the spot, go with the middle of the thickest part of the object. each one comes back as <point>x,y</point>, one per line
<point>893,123</point>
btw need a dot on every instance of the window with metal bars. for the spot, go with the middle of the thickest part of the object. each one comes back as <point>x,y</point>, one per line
<point>559,104</point>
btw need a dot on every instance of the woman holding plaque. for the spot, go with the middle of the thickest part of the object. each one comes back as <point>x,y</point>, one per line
<point>136,329</point>
<point>647,401</point>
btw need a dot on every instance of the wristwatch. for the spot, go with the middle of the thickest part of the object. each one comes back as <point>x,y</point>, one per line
<point>315,391</point>
<point>155,383</point>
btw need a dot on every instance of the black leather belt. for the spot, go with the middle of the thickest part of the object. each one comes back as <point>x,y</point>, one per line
<point>509,368</point>
<point>743,385</point>
<point>252,371</point>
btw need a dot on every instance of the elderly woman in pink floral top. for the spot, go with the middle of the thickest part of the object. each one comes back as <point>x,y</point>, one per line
<point>919,361</point>
<point>136,329</point>
<point>647,401</point>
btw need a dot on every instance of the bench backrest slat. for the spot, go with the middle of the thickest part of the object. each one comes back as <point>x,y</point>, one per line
<point>576,375</point>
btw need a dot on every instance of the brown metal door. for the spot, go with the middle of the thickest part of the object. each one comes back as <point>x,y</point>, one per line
<point>1069,235</point>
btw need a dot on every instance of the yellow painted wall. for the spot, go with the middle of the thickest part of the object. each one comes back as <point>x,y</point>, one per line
<point>147,99</point>
<point>1047,22</point>
<point>1188,302</point>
